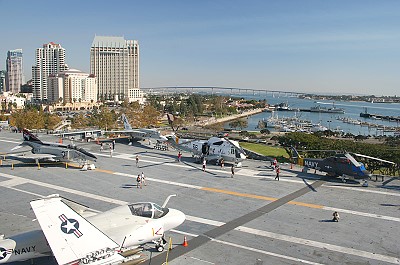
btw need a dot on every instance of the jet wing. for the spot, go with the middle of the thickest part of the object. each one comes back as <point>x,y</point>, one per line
<point>32,156</point>
<point>19,149</point>
<point>135,132</point>
<point>71,237</point>
<point>80,208</point>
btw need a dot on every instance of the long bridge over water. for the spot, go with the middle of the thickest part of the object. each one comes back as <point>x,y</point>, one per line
<point>219,90</point>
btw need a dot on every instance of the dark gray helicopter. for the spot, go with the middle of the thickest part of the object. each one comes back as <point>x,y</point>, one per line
<point>338,165</point>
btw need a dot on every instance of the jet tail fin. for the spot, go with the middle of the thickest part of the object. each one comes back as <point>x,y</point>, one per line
<point>295,155</point>
<point>30,137</point>
<point>71,237</point>
<point>173,140</point>
<point>127,125</point>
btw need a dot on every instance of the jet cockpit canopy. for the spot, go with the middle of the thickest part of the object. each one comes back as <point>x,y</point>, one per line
<point>147,209</point>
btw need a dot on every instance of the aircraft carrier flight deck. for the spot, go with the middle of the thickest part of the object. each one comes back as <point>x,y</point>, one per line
<point>248,219</point>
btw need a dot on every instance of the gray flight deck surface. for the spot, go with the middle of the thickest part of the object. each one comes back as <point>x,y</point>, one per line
<point>250,219</point>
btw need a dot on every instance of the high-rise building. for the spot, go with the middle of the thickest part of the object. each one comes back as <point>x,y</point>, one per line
<point>49,60</point>
<point>3,83</point>
<point>115,63</point>
<point>72,86</point>
<point>14,68</point>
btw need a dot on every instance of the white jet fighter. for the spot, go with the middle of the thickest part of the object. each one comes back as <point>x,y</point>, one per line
<point>102,238</point>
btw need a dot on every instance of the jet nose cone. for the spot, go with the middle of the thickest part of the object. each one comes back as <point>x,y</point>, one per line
<point>174,219</point>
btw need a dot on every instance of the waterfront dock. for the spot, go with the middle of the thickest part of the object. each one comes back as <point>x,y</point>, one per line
<point>243,114</point>
<point>379,117</point>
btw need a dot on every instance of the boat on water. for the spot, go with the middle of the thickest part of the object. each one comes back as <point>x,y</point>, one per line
<point>291,124</point>
<point>318,128</point>
<point>320,109</point>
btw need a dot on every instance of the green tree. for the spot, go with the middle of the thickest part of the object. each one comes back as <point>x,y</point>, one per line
<point>51,120</point>
<point>79,121</point>
<point>105,119</point>
<point>239,123</point>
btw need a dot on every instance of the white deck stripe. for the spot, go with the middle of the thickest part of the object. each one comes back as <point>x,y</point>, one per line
<point>389,218</point>
<point>316,244</point>
<point>249,248</point>
<point>301,241</point>
<point>9,141</point>
<point>76,192</point>
<point>13,182</point>
<point>162,181</point>
<point>267,252</point>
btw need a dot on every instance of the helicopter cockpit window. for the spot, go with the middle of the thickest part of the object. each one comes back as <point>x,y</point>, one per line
<point>218,143</point>
<point>147,209</point>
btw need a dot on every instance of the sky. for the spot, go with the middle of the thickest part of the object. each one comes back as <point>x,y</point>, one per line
<point>313,46</point>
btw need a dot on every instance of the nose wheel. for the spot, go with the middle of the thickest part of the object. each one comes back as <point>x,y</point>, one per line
<point>160,248</point>
<point>160,244</point>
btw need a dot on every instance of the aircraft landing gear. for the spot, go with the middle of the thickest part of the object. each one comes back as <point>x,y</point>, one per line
<point>343,179</point>
<point>365,184</point>
<point>160,244</point>
<point>160,248</point>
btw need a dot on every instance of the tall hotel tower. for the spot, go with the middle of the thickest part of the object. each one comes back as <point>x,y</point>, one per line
<point>49,60</point>
<point>14,67</point>
<point>115,63</point>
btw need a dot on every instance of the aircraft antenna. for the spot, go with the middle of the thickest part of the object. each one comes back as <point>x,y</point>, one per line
<point>167,200</point>
<point>123,242</point>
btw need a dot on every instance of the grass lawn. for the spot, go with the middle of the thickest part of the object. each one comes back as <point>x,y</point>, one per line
<point>265,149</point>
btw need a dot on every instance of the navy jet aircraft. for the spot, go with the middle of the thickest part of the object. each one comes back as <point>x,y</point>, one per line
<point>140,133</point>
<point>76,234</point>
<point>52,151</point>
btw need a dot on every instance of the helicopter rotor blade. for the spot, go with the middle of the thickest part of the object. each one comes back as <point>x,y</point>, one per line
<point>239,149</point>
<point>303,150</point>
<point>374,158</point>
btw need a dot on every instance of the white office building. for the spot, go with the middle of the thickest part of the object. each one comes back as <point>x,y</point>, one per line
<point>3,83</point>
<point>49,60</point>
<point>14,68</point>
<point>115,63</point>
<point>17,101</point>
<point>72,86</point>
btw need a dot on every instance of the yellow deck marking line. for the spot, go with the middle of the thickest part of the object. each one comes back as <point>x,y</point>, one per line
<point>233,193</point>
<point>105,171</point>
<point>259,197</point>
<point>72,165</point>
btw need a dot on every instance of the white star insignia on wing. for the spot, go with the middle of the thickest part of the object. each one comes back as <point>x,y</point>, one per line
<point>69,226</point>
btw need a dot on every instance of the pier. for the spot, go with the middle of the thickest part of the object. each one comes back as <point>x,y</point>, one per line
<point>379,117</point>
